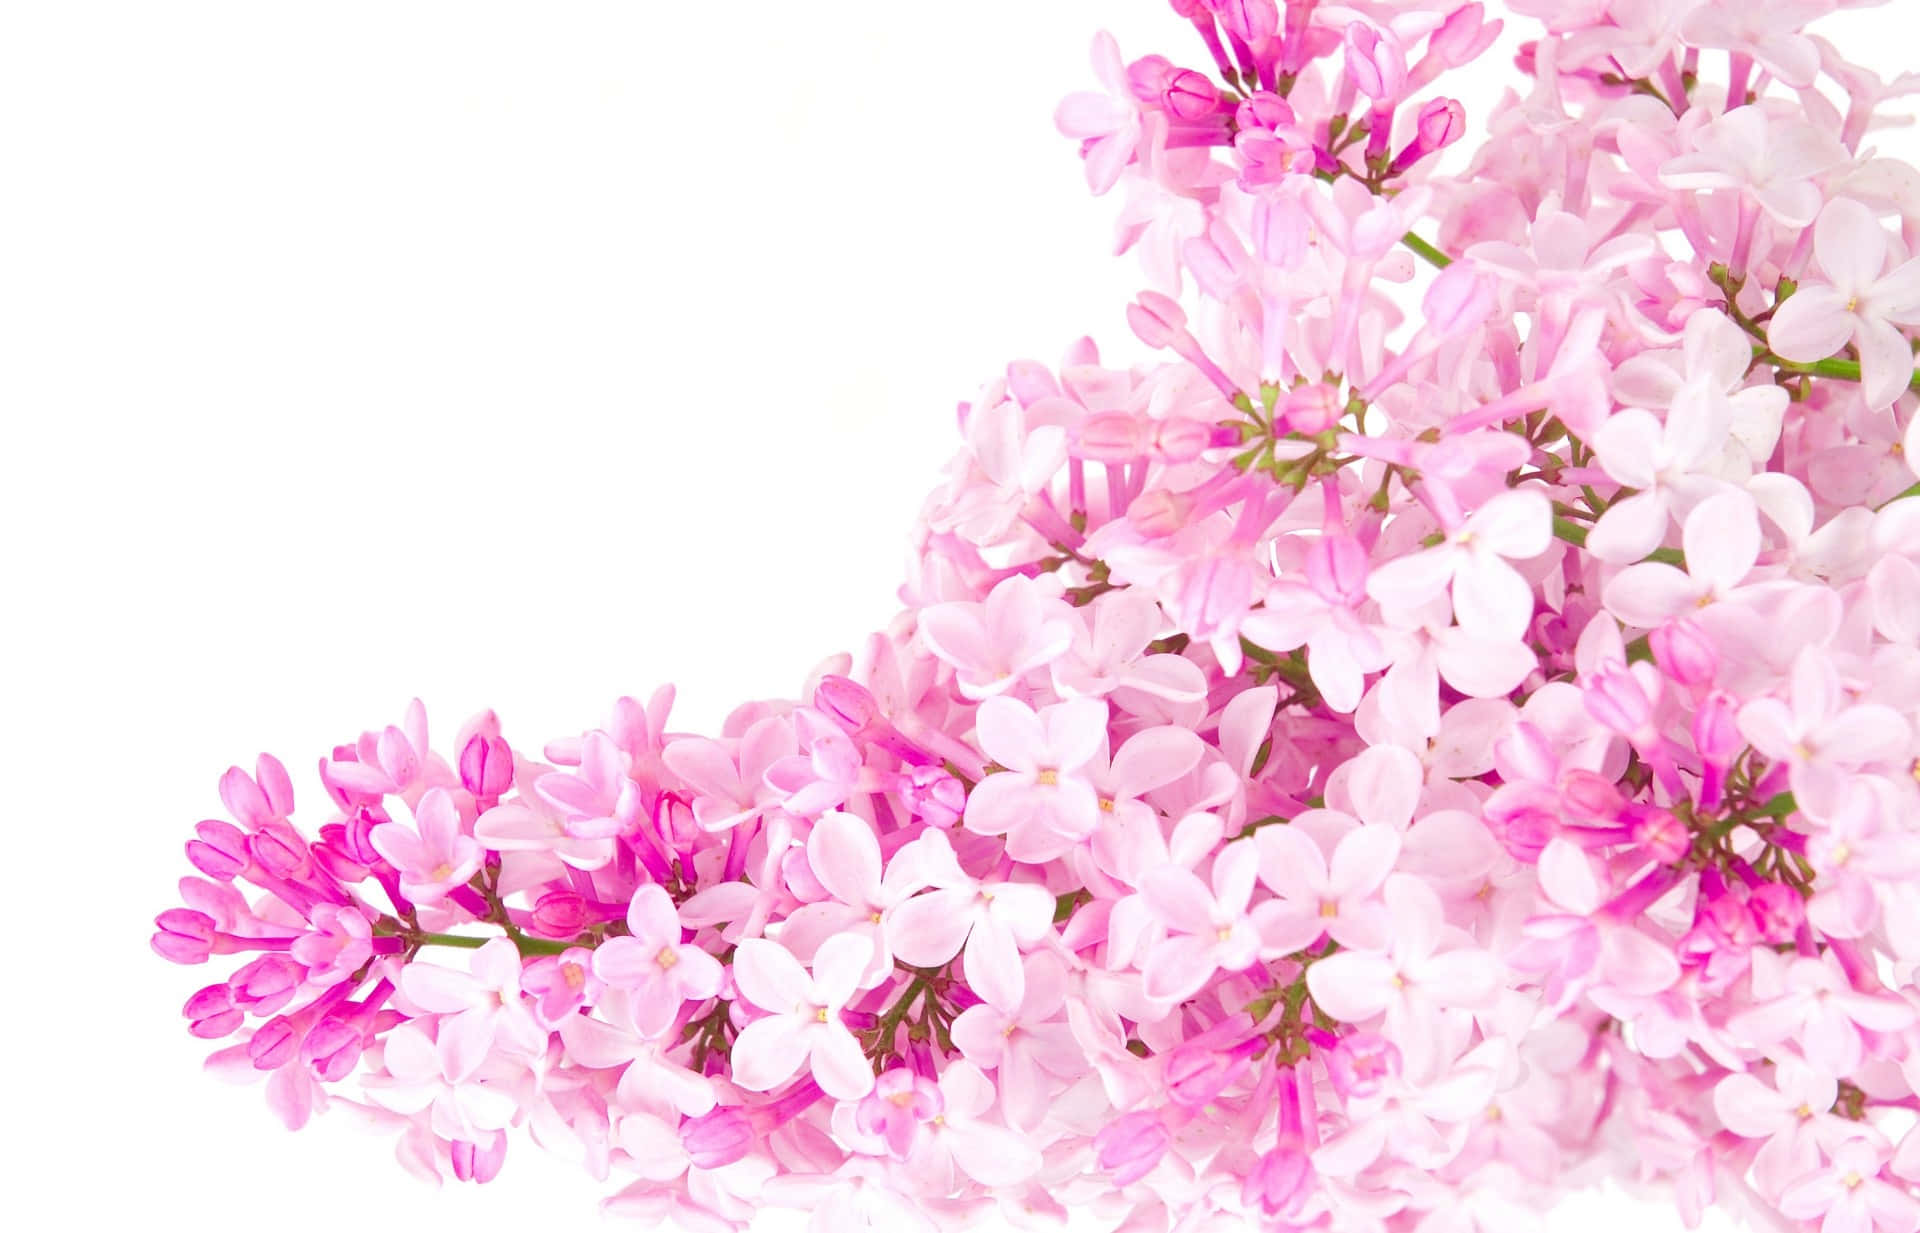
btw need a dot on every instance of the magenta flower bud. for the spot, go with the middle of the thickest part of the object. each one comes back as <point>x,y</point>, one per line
<point>279,850</point>
<point>1279,1182</point>
<point>184,936</point>
<point>1129,1147</point>
<point>1180,439</point>
<point>847,703</point>
<point>1685,653</point>
<point>1463,35</point>
<point>274,1044</point>
<point>219,851</point>
<point>1337,569</point>
<point>1313,409</point>
<point>937,798</point>
<point>1195,1075</point>
<point>1727,916</point>
<point>1251,21</point>
<point>333,852</point>
<point>266,984</point>
<point>1777,910</point>
<point>1158,512</point>
<point>476,1163</point>
<point>1589,797</point>
<point>1188,95</point>
<point>1361,1064</point>
<point>1375,63</point>
<point>560,914</point>
<point>717,1139</point>
<point>1616,701</point>
<point>1113,436</point>
<point>211,1013</point>
<point>332,1049</point>
<point>1156,319</point>
<point>1716,728</point>
<point>486,767</point>
<point>1657,832</point>
<point>1192,10</point>
<point>1148,78</point>
<point>1264,110</point>
<point>1524,818</point>
<point>1442,122</point>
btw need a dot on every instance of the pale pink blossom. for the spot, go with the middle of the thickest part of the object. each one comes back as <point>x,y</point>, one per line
<point>1861,302</point>
<point>993,920</point>
<point>652,961</point>
<point>1813,1001</point>
<point>435,855</point>
<point>992,645</point>
<point>1490,597</point>
<point>802,1025</point>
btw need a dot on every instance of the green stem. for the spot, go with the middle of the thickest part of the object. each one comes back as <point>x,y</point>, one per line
<point>1433,256</point>
<point>527,945</point>
<point>1844,370</point>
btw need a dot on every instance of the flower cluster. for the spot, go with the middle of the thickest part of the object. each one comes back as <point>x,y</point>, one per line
<point>1444,734</point>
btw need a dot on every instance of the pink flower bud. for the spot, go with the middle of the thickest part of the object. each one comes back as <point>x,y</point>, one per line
<point>1616,700</point>
<point>1716,728</point>
<point>263,986</point>
<point>1361,1064</point>
<point>1463,35</point>
<point>1158,512</point>
<point>1251,21</point>
<point>1337,569</point>
<point>1589,797</point>
<point>1777,910</point>
<point>274,1044</point>
<point>1313,408</point>
<point>1279,1182</point>
<point>479,1163</point>
<point>1442,122</point>
<point>332,1049</point>
<point>1182,440</point>
<point>717,1139</point>
<point>1685,653</point>
<point>211,1013</point>
<point>1129,1147</point>
<point>184,936</point>
<point>560,914</point>
<point>486,767</point>
<point>1195,1074</point>
<point>279,850</point>
<point>219,851</point>
<point>1525,818</point>
<point>846,702</point>
<point>1113,436</point>
<point>1264,110</point>
<point>1148,78</point>
<point>1375,63</point>
<point>1156,319</point>
<point>1188,95</point>
<point>1658,833</point>
<point>936,797</point>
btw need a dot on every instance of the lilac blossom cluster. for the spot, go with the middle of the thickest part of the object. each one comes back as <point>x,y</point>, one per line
<point>1443,736</point>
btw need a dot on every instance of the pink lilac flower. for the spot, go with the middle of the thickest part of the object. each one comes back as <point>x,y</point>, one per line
<point>1490,597</point>
<point>652,962</point>
<point>802,1025</point>
<point>1860,301</point>
<point>433,856</point>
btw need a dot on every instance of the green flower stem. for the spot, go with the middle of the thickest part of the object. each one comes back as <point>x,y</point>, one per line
<point>1427,252</point>
<point>527,945</point>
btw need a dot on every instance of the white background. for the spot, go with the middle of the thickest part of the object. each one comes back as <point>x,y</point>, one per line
<point>504,355</point>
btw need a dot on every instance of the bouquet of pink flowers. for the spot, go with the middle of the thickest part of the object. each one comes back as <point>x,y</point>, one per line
<point>1444,736</point>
